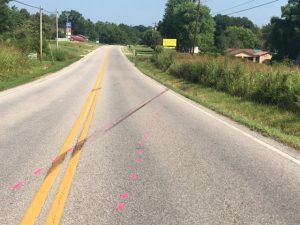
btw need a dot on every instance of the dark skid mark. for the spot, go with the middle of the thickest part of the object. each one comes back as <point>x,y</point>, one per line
<point>78,147</point>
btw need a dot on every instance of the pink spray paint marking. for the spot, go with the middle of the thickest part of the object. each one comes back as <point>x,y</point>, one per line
<point>142,144</point>
<point>124,195</point>
<point>138,160</point>
<point>18,185</point>
<point>120,207</point>
<point>134,176</point>
<point>38,172</point>
<point>141,152</point>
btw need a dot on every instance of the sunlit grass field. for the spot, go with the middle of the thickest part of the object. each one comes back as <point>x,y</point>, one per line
<point>16,68</point>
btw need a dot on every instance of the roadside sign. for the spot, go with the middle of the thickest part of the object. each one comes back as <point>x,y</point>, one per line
<point>68,29</point>
<point>170,43</point>
<point>69,25</point>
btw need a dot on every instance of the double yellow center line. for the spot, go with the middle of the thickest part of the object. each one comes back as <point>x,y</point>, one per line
<point>59,201</point>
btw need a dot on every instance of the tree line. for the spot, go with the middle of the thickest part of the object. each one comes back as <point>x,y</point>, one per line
<point>213,34</point>
<point>20,28</point>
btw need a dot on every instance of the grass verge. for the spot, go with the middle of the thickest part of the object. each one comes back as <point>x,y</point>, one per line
<point>271,121</point>
<point>25,70</point>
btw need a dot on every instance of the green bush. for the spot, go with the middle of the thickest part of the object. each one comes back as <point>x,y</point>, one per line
<point>277,85</point>
<point>164,60</point>
<point>59,55</point>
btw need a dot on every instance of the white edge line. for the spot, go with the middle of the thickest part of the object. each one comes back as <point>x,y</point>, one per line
<point>195,105</point>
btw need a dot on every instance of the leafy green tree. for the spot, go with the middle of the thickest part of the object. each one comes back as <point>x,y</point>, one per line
<point>223,22</point>
<point>180,22</point>
<point>77,20</point>
<point>166,27</point>
<point>90,30</point>
<point>285,31</point>
<point>5,18</point>
<point>238,37</point>
<point>151,38</point>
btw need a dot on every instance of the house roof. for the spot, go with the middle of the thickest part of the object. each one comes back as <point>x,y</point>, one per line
<point>250,52</point>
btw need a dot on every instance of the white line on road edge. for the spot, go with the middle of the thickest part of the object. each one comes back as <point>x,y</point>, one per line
<point>270,147</point>
<point>193,104</point>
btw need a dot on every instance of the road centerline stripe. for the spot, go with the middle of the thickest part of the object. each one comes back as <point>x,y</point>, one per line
<point>57,208</point>
<point>58,204</point>
<point>37,203</point>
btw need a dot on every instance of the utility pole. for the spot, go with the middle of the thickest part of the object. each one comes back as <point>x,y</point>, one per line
<point>197,25</point>
<point>41,34</point>
<point>56,29</point>
<point>153,35</point>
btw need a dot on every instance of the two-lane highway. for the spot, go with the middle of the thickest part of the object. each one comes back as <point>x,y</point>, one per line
<point>99,143</point>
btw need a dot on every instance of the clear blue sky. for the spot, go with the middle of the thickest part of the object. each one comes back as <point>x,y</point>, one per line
<point>147,12</point>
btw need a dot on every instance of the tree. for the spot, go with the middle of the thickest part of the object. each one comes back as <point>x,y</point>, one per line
<point>223,22</point>
<point>180,22</point>
<point>151,38</point>
<point>238,37</point>
<point>77,20</point>
<point>5,19</point>
<point>285,31</point>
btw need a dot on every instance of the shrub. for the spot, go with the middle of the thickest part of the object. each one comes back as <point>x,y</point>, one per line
<point>164,60</point>
<point>12,61</point>
<point>277,85</point>
<point>59,55</point>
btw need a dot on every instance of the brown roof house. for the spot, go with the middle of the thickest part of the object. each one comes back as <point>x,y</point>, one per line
<point>254,55</point>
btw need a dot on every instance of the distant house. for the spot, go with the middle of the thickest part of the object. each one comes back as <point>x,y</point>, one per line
<point>254,55</point>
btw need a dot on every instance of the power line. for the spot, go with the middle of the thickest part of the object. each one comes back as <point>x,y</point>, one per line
<point>234,7</point>
<point>41,10</point>
<point>22,3</point>
<point>32,6</point>
<point>267,3</point>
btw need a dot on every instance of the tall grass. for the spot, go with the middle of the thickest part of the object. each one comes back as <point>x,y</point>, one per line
<point>16,68</point>
<point>276,85</point>
<point>12,61</point>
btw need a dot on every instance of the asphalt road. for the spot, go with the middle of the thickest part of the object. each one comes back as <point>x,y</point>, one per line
<point>146,156</point>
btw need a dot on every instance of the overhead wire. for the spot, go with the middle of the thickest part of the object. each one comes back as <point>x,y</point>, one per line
<point>254,7</point>
<point>32,6</point>
<point>236,6</point>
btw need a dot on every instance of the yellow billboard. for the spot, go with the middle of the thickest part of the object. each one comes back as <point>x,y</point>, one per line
<point>170,43</point>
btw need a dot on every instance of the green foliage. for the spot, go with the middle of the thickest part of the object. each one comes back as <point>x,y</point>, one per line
<point>269,120</point>
<point>223,22</point>
<point>238,37</point>
<point>159,49</point>
<point>60,55</point>
<point>4,16</point>
<point>151,38</point>
<point>12,60</point>
<point>110,33</point>
<point>164,59</point>
<point>180,22</point>
<point>284,33</point>
<point>77,19</point>
<point>278,86</point>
